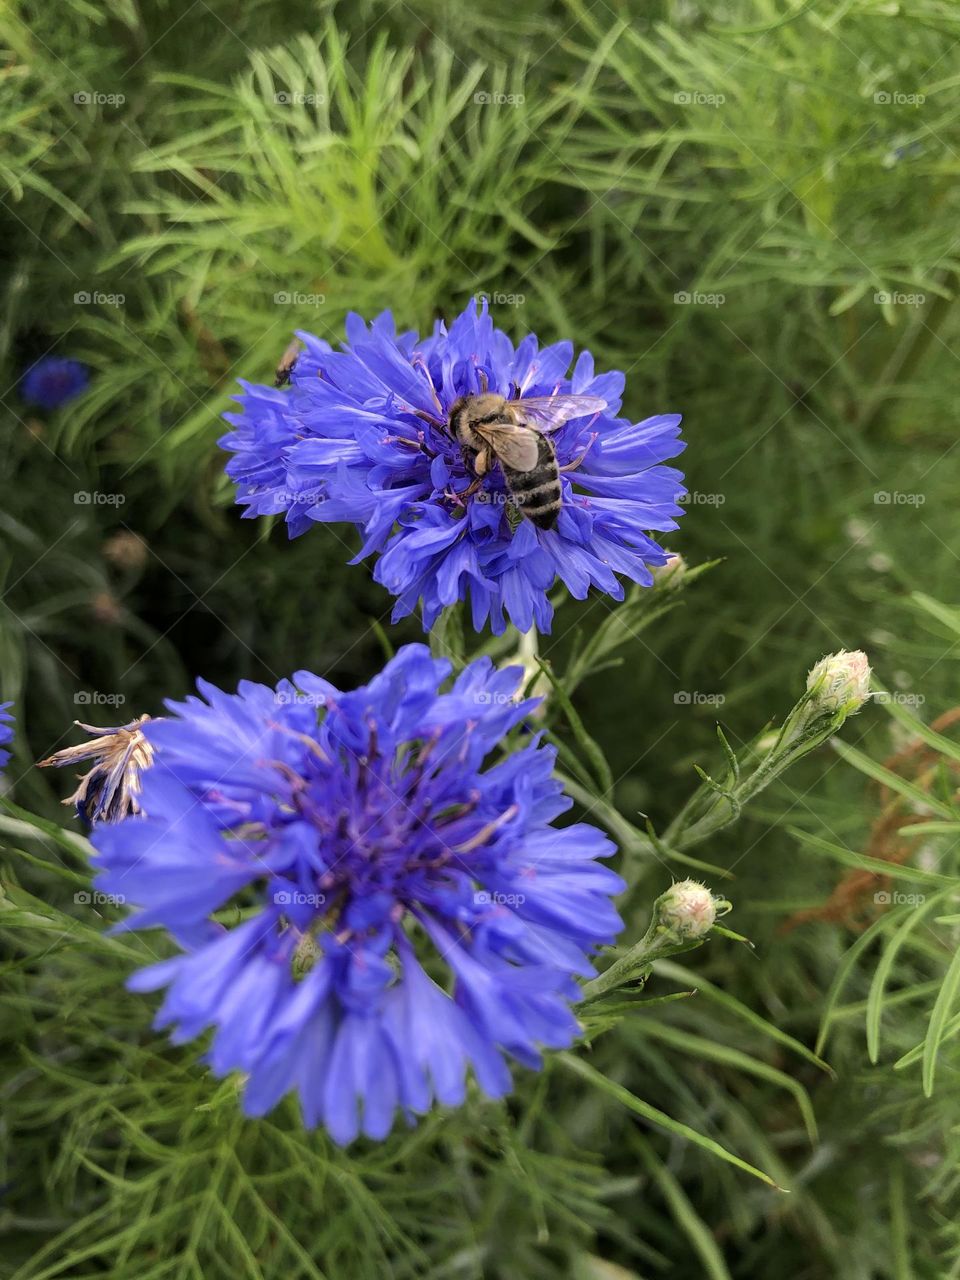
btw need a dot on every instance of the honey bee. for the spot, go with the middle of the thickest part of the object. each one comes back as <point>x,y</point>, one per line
<point>490,428</point>
<point>287,361</point>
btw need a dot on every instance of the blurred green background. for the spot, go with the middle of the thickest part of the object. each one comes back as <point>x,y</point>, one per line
<point>750,207</point>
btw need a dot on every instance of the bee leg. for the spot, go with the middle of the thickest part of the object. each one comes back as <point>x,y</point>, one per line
<point>572,466</point>
<point>484,384</point>
<point>460,499</point>
<point>481,463</point>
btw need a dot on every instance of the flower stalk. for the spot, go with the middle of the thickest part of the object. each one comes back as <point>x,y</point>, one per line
<point>837,687</point>
<point>681,920</point>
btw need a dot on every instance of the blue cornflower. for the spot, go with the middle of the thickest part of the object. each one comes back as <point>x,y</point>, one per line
<point>362,436</point>
<point>6,732</point>
<point>110,789</point>
<point>374,859</point>
<point>53,380</point>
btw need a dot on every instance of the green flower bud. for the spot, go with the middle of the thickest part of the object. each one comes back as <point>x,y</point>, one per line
<point>688,909</point>
<point>840,682</point>
<point>669,576</point>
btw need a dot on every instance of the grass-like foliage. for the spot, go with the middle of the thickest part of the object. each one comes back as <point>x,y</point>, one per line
<point>751,208</point>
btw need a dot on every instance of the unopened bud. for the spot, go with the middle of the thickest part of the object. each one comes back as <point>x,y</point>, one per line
<point>106,609</point>
<point>126,550</point>
<point>841,682</point>
<point>688,909</point>
<point>670,575</point>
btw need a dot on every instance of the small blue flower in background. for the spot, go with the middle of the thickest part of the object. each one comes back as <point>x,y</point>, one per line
<point>6,732</point>
<point>407,911</point>
<point>361,436</point>
<point>53,380</point>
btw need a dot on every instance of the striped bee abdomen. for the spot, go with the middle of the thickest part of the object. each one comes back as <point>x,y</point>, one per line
<point>537,492</point>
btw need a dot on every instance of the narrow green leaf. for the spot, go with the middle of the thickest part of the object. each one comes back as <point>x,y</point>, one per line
<point>844,969</point>
<point>588,745</point>
<point>916,1053</point>
<point>899,1231</point>
<point>699,1047</point>
<point>882,973</point>
<point>946,746</point>
<point>938,1022</point>
<point>669,969</point>
<point>854,756</point>
<point>930,829</point>
<point>687,1218</point>
<point>863,861</point>
<point>660,1118</point>
<point>950,617</point>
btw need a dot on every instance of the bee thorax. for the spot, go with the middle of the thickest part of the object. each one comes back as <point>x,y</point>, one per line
<point>491,429</point>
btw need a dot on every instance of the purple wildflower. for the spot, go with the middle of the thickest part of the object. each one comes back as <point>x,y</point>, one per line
<point>409,913</point>
<point>6,732</point>
<point>53,380</point>
<point>362,436</point>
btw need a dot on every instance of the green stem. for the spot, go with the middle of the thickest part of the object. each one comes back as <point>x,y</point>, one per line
<point>905,358</point>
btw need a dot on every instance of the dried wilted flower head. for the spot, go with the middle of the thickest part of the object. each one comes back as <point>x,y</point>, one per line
<point>841,681</point>
<point>111,789</point>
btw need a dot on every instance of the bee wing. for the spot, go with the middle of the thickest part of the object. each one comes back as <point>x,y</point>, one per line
<point>287,361</point>
<point>546,413</point>
<point>516,446</point>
